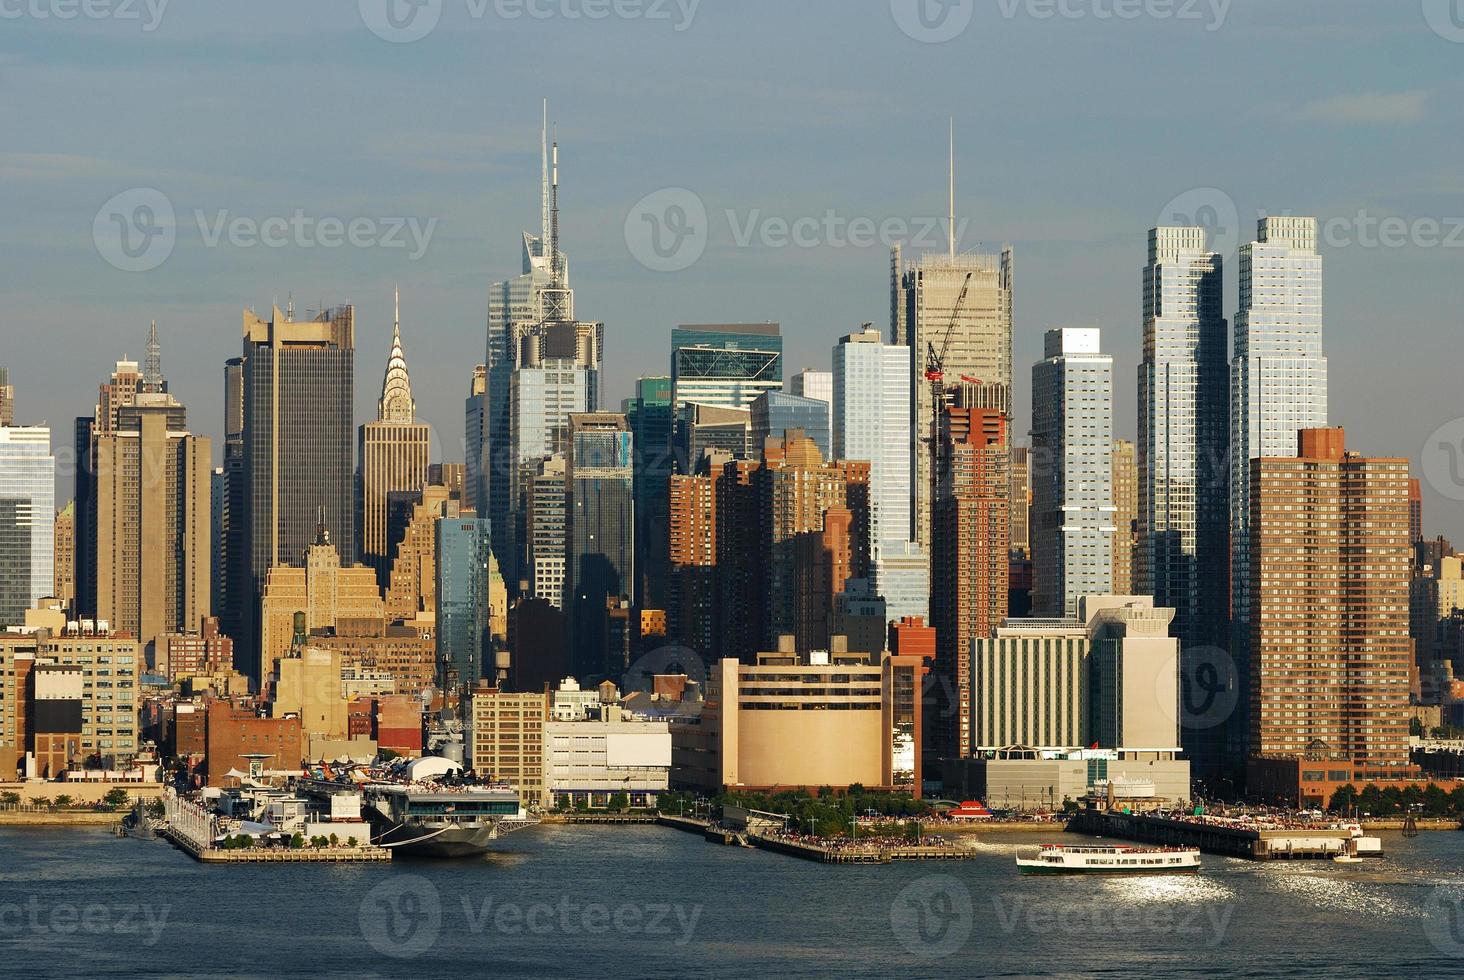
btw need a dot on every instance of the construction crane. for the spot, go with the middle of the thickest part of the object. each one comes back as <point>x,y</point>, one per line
<point>935,376</point>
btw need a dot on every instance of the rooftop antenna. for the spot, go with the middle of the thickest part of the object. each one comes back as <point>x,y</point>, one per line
<point>554,219</point>
<point>152,379</point>
<point>544,179</point>
<point>951,225</point>
<point>290,307</point>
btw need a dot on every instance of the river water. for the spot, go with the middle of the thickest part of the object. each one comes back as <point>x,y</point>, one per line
<point>646,901</point>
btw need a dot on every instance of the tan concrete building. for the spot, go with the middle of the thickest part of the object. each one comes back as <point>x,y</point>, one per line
<point>153,520</point>
<point>811,720</point>
<point>506,739</point>
<point>411,596</point>
<point>1125,515</point>
<point>396,451</point>
<point>1329,650</point>
<point>330,595</point>
<point>65,567</point>
<point>308,686</point>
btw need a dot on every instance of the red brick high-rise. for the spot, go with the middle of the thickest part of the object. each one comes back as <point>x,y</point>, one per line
<point>969,564</point>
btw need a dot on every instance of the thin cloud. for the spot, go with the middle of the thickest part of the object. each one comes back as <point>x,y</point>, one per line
<point>1367,109</point>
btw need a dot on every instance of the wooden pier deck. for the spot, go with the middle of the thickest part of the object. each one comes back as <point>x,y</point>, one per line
<point>1255,844</point>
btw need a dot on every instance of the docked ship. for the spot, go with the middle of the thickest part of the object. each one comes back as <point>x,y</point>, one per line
<point>1061,859</point>
<point>429,807</point>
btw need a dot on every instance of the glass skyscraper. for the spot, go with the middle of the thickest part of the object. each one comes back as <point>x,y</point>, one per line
<point>27,520</point>
<point>298,450</point>
<point>1278,376</point>
<point>725,364</point>
<point>1183,434</point>
<point>872,421</point>
<point>464,557</point>
<point>1072,471</point>
<point>775,412</point>
<point>600,560</point>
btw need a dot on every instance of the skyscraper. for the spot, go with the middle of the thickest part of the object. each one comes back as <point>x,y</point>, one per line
<point>547,527</point>
<point>872,421</point>
<point>65,551</point>
<point>809,383</point>
<point>396,451</point>
<point>1183,432</point>
<point>1278,376</point>
<point>475,438</point>
<point>955,308</point>
<point>234,596</point>
<point>114,393</point>
<point>726,365</point>
<point>542,400</point>
<point>154,520</point>
<point>1072,471</point>
<point>465,569</point>
<point>298,379</point>
<point>1328,616</point>
<point>531,325</point>
<point>600,557</point>
<point>775,412</point>
<point>7,399</point>
<point>650,417</point>
<point>27,520</point>
<point>1125,509</point>
<point>969,566</point>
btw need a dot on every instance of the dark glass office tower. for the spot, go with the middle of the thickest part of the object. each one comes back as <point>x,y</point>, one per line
<point>649,415</point>
<point>299,455</point>
<point>600,562</point>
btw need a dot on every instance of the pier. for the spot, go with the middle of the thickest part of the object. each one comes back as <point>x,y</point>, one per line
<point>190,828</point>
<point>1258,843</point>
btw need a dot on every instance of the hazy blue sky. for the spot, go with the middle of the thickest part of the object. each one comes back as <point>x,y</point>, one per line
<point>1074,131</point>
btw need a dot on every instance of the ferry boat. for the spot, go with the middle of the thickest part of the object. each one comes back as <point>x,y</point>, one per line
<point>1058,859</point>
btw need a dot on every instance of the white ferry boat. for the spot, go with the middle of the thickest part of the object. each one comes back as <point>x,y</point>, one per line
<point>1063,859</point>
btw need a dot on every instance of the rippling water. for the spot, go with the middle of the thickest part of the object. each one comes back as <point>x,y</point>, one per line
<point>654,902</point>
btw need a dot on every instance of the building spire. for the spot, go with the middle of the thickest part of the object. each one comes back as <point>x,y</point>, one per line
<point>544,184</point>
<point>951,224</point>
<point>152,378</point>
<point>396,403</point>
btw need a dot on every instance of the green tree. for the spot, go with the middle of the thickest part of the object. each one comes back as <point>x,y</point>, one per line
<point>351,842</point>
<point>63,802</point>
<point>246,841</point>
<point>9,799</point>
<point>618,803</point>
<point>115,799</point>
<point>297,841</point>
<point>156,809</point>
<point>43,802</point>
<point>1344,799</point>
<point>334,840</point>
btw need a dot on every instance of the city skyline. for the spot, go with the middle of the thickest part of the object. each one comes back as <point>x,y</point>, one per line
<point>487,192</point>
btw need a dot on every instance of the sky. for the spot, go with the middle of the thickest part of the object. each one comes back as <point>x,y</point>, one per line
<point>721,161</point>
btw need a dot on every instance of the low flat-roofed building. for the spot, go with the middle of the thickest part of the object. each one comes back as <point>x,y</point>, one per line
<point>590,761</point>
<point>824,718</point>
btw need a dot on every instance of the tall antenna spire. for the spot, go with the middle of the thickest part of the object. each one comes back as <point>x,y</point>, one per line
<point>555,276</point>
<point>544,180</point>
<point>396,404</point>
<point>951,225</point>
<point>152,378</point>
